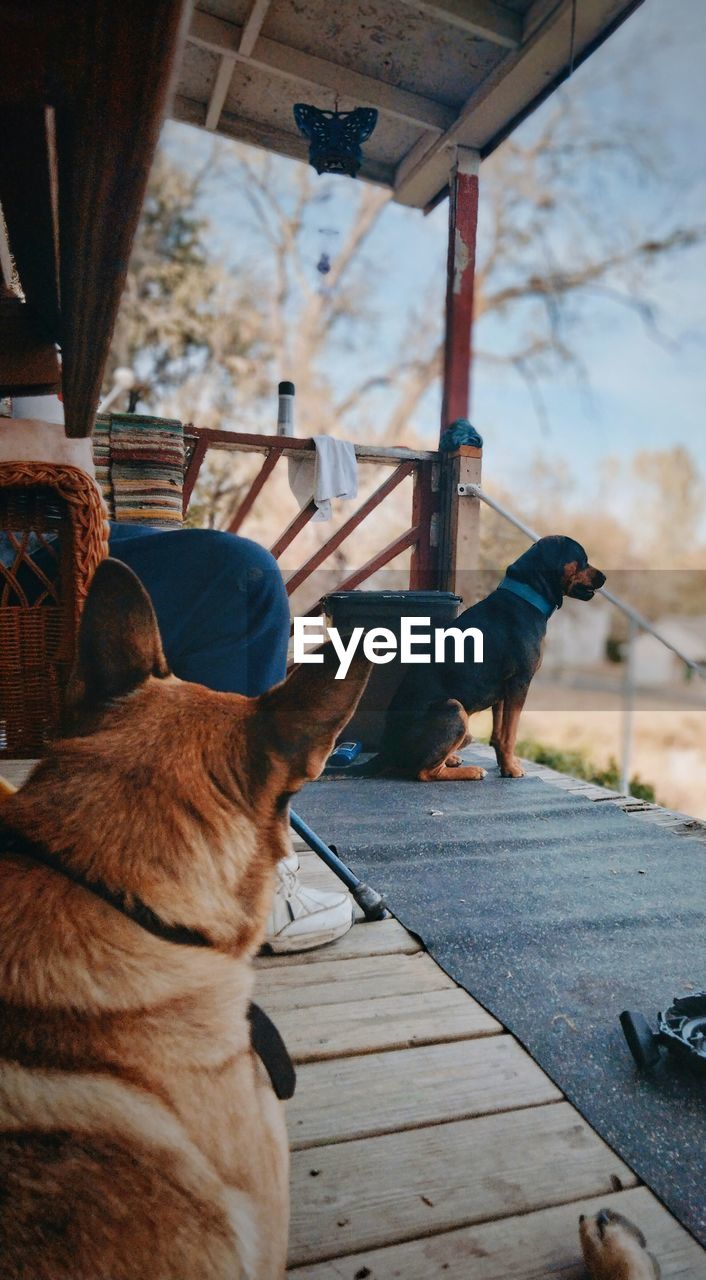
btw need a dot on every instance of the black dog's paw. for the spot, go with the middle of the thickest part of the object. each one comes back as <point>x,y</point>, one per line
<point>615,1249</point>
<point>512,768</point>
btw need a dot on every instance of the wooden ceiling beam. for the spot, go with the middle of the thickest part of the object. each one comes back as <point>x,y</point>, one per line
<point>248,38</point>
<point>219,92</point>
<point>253,27</point>
<point>482,18</point>
<point>427,168</point>
<point>224,38</point>
<point>512,90</point>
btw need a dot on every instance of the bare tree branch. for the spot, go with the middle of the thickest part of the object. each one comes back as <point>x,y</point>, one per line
<point>211,342</point>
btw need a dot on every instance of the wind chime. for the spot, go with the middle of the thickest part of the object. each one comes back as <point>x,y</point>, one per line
<point>326,237</point>
<point>335,139</point>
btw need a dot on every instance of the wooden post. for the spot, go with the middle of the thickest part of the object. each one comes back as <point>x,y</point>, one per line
<point>460,273</point>
<point>460,516</point>
<point>424,565</point>
<point>460,524</point>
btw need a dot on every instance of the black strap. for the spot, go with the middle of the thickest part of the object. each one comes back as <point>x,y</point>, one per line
<point>272,1052</point>
<point>265,1039</point>
<point>134,908</point>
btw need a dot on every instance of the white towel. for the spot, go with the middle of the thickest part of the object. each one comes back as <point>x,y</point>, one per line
<point>330,472</point>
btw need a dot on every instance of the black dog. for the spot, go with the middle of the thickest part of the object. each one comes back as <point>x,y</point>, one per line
<point>427,720</point>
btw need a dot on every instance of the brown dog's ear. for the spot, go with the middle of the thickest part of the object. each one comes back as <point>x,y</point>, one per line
<point>299,721</point>
<point>119,644</point>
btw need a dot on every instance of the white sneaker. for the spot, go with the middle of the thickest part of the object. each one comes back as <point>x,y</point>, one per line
<point>291,861</point>
<point>302,918</point>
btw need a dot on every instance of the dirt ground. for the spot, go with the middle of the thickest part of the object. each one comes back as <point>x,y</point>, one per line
<point>669,735</point>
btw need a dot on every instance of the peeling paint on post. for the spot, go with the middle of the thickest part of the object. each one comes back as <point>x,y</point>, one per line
<point>461,262</point>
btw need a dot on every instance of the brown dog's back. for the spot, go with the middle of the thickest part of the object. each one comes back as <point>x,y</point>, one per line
<point>97,1176</point>
<point>131,1207</point>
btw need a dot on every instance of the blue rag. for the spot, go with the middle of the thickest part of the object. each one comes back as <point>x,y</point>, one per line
<point>460,432</point>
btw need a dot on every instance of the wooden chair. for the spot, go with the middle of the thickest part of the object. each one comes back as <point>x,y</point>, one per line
<point>54,535</point>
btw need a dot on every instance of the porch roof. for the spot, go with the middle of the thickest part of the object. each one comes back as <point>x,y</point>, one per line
<point>441,73</point>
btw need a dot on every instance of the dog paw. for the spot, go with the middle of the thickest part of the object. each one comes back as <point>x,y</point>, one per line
<point>614,1248</point>
<point>512,769</point>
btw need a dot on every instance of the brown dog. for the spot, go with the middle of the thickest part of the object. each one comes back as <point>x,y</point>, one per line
<point>615,1249</point>
<point>139,1133</point>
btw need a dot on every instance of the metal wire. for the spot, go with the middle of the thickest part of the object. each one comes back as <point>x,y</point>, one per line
<point>475,491</point>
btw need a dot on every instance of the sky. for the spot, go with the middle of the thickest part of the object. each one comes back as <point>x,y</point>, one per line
<point>642,394</point>
<point>639,393</point>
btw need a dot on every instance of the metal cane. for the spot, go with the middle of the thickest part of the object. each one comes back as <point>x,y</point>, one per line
<point>369,900</point>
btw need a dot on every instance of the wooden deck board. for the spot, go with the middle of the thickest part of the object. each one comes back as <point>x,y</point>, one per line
<point>381,1092</point>
<point>423,1181</point>
<point>456,1158</point>
<point>390,1022</point>
<point>366,978</point>
<point>377,938</point>
<point>533,1246</point>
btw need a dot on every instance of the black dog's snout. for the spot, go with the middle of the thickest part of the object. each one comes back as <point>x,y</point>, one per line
<point>599,578</point>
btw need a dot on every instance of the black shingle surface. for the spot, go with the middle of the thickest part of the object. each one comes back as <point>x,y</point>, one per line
<point>555,913</point>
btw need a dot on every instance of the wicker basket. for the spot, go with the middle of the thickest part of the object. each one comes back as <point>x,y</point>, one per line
<point>53,535</point>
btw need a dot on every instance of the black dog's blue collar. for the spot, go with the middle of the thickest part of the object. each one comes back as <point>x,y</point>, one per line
<point>529,594</point>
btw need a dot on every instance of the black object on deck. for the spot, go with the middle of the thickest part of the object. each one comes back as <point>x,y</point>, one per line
<point>349,609</point>
<point>681,1030</point>
<point>555,913</point>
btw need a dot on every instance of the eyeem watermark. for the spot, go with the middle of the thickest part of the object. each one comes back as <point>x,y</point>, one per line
<point>380,645</point>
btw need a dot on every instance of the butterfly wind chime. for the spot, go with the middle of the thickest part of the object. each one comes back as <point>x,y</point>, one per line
<point>335,137</point>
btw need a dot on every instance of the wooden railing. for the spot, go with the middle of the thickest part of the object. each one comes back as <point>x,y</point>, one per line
<point>423,536</point>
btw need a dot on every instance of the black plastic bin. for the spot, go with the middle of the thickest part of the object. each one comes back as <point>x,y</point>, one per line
<point>348,609</point>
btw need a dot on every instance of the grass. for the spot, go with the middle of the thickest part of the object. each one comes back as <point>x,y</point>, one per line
<point>578,764</point>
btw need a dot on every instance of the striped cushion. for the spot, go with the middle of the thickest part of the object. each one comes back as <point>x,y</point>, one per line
<point>140,467</point>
